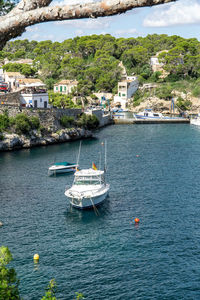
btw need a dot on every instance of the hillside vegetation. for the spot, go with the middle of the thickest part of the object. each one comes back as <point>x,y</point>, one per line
<point>93,61</point>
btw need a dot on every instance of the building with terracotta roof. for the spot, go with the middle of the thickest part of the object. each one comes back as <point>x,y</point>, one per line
<point>26,61</point>
<point>65,86</point>
<point>33,93</point>
<point>30,82</point>
<point>12,79</point>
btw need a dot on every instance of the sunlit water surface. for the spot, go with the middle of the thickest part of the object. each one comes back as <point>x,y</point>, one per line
<point>154,173</point>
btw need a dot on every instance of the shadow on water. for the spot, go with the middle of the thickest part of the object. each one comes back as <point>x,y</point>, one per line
<point>61,174</point>
<point>88,215</point>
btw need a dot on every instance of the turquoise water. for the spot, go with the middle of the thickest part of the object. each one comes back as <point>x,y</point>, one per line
<point>154,172</point>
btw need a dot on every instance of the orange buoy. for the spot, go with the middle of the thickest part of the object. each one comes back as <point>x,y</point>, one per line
<point>137,220</point>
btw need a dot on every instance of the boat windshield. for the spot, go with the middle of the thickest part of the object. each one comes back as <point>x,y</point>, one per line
<point>89,180</point>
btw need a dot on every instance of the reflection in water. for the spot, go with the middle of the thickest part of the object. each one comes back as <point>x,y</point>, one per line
<point>106,256</point>
<point>88,215</point>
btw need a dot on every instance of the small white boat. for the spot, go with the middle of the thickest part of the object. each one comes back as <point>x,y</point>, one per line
<point>62,167</point>
<point>195,121</point>
<point>89,189</point>
<point>122,114</point>
<point>148,114</point>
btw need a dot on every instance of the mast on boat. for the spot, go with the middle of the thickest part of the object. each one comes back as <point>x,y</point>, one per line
<point>105,162</point>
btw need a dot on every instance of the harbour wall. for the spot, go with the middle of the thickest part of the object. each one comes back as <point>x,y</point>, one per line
<point>104,119</point>
<point>10,99</point>
<point>161,121</point>
<point>49,117</point>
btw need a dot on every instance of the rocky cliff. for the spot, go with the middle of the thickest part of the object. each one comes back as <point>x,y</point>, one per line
<point>15,141</point>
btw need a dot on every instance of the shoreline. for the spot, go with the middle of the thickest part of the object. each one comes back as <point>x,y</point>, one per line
<point>12,142</point>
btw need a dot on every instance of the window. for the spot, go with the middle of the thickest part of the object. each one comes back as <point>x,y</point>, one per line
<point>119,94</point>
<point>61,88</point>
<point>56,88</point>
<point>124,95</point>
<point>65,88</point>
<point>40,99</point>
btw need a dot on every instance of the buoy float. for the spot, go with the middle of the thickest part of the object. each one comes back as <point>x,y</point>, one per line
<point>1,224</point>
<point>137,220</point>
<point>102,143</point>
<point>36,257</point>
<point>137,155</point>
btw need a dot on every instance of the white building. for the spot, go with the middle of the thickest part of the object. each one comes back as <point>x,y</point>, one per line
<point>26,61</point>
<point>1,75</point>
<point>12,79</point>
<point>65,86</point>
<point>126,89</point>
<point>155,64</point>
<point>35,95</point>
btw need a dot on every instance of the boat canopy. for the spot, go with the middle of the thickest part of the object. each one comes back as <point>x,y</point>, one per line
<point>89,180</point>
<point>89,172</point>
<point>64,163</point>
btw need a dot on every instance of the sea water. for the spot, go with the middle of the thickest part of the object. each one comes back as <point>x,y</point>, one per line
<point>154,174</point>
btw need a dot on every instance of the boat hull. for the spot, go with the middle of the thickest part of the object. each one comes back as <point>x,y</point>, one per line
<point>87,202</point>
<point>61,171</point>
<point>195,122</point>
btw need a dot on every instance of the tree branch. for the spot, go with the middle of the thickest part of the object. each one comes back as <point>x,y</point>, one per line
<point>14,25</point>
<point>27,5</point>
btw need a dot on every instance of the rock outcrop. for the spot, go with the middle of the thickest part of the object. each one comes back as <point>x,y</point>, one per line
<point>15,141</point>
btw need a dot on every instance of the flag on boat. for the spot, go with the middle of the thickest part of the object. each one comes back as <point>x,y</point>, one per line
<point>94,167</point>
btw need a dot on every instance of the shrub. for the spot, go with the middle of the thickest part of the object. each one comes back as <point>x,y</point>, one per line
<point>4,121</point>
<point>164,92</point>
<point>196,91</point>
<point>183,104</point>
<point>155,76</point>
<point>1,136</point>
<point>88,121</point>
<point>66,121</point>
<point>22,124</point>
<point>35,122</point>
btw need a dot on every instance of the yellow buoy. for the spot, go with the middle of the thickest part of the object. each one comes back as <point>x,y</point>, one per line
<point>36,257</point>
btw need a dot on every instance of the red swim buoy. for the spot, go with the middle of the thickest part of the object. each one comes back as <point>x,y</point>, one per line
<point>137,220</point>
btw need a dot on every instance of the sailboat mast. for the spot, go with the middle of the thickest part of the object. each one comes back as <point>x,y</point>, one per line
<point>79,152</point>
<point>100,160</point>
<point>105,166</point>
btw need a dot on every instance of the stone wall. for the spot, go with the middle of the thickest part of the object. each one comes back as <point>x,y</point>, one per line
<point>49,117</point>
<point>12,99</point>
<point>103,119</point>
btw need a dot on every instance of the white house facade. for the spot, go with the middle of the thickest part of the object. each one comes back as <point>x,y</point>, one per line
<point>1,75</point>
<point>65,86</point>
<point>35,100</point>
<point>35,96</point>
<point>12,79</point>
<point>126,89</point>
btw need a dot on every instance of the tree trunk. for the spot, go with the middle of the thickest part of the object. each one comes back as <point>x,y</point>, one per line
<point>30,12</point>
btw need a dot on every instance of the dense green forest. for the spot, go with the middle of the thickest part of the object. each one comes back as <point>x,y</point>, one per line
<point>93,60</point>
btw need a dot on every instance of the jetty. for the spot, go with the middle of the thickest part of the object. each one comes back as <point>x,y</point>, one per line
<point>156,121</point>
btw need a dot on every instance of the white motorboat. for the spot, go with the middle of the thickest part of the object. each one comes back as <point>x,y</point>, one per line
<point>122,114</point>
<point>89,189</point>
<point>62,167</point>
<point>148,114</point>
<point>195,121</point>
